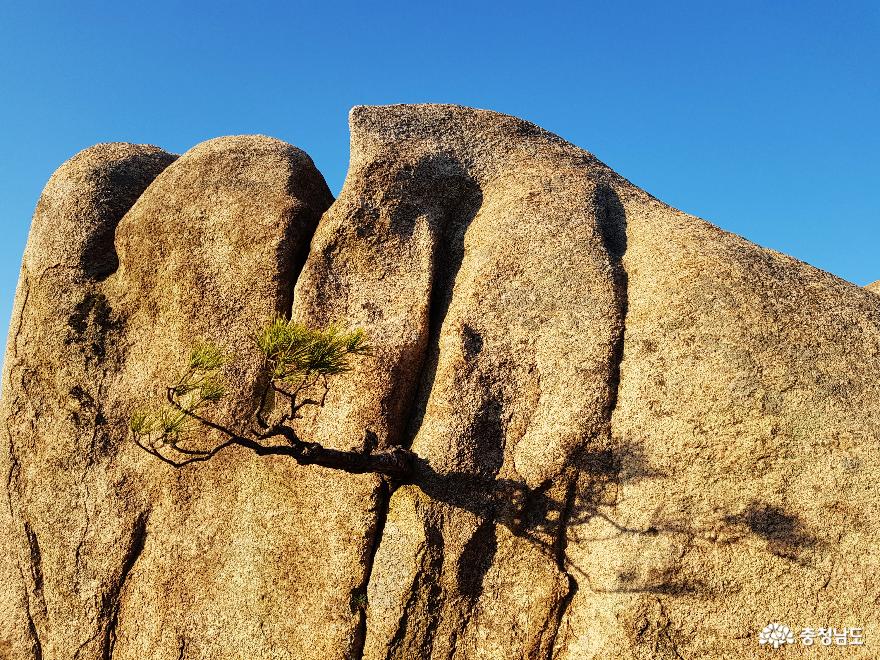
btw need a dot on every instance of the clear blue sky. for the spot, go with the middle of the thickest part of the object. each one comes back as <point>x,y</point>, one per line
<point>761,117</point>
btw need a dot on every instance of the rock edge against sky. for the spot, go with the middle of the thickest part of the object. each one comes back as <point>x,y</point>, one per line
<point>639,436</point>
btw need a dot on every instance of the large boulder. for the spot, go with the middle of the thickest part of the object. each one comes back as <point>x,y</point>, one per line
<point>118,553</point>
<point>483,254</point>
<point>68,531</point>
<point>637,436</point>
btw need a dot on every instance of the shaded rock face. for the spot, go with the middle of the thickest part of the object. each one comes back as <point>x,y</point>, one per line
<point>638,436</point>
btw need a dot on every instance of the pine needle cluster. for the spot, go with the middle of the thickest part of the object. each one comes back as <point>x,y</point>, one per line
<point>294,351</point>
<point>199,386</point>
<point>295,356</point>
<point>297,364</point>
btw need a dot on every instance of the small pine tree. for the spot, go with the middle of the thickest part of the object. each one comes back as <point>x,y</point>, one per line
<point>297,360</point>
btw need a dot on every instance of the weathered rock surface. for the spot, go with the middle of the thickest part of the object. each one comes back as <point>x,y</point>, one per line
<point>638,436</point>
<point>874,286</point>
<point>122,555</point>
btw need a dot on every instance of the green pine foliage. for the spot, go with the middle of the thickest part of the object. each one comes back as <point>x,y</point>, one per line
<point>206,357</point>
<point>295,355</point>
<point>294,351</point>
<point>197,387</point>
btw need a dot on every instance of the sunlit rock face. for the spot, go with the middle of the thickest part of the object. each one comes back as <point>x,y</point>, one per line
<point>637,436</point>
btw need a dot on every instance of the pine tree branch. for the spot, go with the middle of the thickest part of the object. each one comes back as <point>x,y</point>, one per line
<point>295,357</point>
<point>395,462</point>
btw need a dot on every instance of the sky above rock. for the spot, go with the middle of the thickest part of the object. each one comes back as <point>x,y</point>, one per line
<point>759,118</point>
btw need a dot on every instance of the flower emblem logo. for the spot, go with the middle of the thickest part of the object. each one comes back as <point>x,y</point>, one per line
<point>776,634</point>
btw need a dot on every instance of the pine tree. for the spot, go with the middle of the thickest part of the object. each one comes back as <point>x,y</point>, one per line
<point>298,361</point>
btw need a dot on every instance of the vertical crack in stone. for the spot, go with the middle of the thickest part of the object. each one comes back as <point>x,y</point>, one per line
<point>561,544</point>
<point>423,603</point>
<point>113,599</point>
<point>36,565</point>
<point>32,628</point>
<point>14,469</point>
<point>12,344</point>
<point>664,635</point>
<point>382,497</point>
<point>463,198</point>
<point>612,224</point>
<point>294,248</point>
<point>611,219</point>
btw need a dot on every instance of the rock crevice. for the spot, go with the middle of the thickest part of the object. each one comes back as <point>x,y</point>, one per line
<point>112,601</point>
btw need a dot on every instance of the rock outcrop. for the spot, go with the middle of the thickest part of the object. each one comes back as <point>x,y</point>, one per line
<point>638,436</point>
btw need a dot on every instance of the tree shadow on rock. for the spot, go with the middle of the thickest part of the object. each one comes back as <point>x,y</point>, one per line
<point>783,531</point>
<point>543,516</point>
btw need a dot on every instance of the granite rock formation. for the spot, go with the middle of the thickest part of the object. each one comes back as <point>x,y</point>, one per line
<point>638,436</point>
